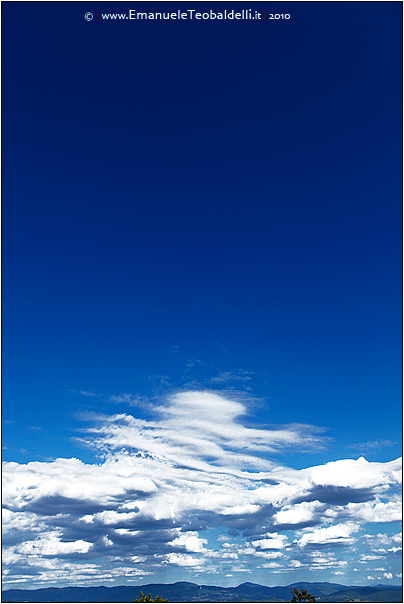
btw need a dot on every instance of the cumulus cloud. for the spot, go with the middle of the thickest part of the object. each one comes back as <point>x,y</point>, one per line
<point>181,559</point>
<point>189,541</point>
<point>378,510</point>
<point>340,533</point>
<point>163,485</point>
<point>273,541</point>
<point>51,545</point>
<point>301,513</point>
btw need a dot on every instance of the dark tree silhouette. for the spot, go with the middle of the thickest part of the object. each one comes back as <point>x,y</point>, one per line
<point>301,596</point>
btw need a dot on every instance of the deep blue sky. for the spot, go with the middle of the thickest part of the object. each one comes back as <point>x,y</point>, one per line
<point>203,205</point>
<point>208,185</point>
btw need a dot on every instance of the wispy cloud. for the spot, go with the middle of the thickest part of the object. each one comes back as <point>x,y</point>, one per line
<point>224,377</point>
<point>373,445</point>
<point>132,400</point>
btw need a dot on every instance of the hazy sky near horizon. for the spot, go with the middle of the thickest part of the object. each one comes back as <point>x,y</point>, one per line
<point>202,294</point>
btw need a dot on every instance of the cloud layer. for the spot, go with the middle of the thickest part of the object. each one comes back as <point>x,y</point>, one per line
<point>194,490</point>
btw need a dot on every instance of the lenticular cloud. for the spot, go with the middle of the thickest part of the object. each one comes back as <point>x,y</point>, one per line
<point>162,487</point>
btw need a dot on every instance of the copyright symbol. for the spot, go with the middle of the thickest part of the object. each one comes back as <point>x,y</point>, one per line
<point>88,16</point>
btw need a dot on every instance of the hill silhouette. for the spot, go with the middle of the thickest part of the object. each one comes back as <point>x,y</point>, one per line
<point>184,591</point>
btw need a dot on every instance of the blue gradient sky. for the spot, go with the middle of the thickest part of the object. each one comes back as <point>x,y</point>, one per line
<point>204,208</point>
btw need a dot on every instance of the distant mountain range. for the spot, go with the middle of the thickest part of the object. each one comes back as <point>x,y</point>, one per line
<point>191,592</point>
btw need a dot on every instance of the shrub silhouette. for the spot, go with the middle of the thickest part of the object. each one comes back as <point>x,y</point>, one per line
<point>149,598</point>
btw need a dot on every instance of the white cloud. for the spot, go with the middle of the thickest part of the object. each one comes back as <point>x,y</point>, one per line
<point>297,514</point>
<point>387,575</point>
<point>51,545</point>
<point>72,479</point>
<point>340,533</point>
<point>190,541</point>
<point>356,473</point>
<point>21,522</point>
<point>377,511</point>
<point>196,426</point>
<point>274,541</point>
<point>161,482</point>
<point>271,565</point>
<point>112,517</point>
<point>268,554</point>
<point>368,557</point>
<point>181,559</point>
<point>383,538</point>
